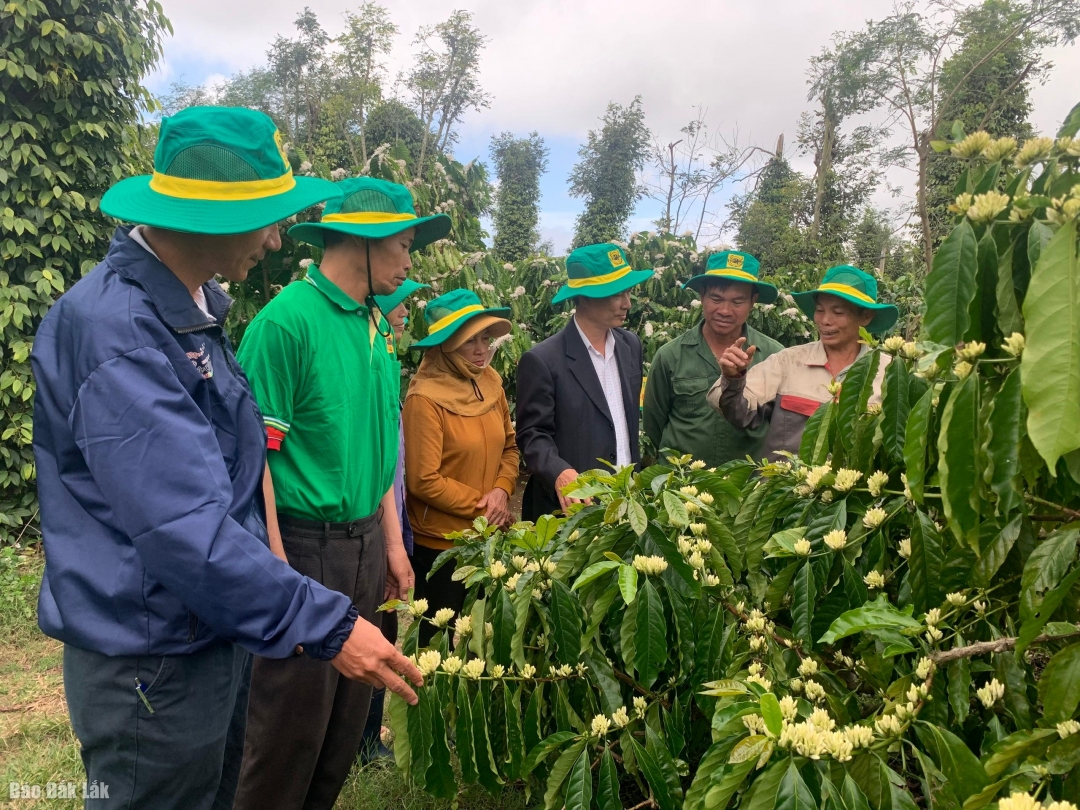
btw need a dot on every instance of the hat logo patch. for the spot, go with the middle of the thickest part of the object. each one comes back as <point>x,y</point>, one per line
<point>734,261</point>
<point>281,147</point>
<point>615,257</point>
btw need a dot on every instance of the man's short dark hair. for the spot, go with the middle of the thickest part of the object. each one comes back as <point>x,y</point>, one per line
<point>331,239</point>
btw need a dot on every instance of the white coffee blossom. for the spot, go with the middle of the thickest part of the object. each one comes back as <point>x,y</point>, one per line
<point>689,491</point>
<point>1067,728</point>
<point>933,635</point>
<point>987,206</point>
<point>519,562</point>
<point>654,564</point>
<point>418,607</point>
<point>796,685</point>
<point>1020,801</point>
<point>836,539</point>
<point>933,617</point>
<point>814,690</point>
<point>474,668</point>
<point>789,708</point>
<point>999,149</point>
<point>620,717</point>
<point>443,617</point>
<point>698,528</point>
<point>511,582</point>
<point>991,693</point>
<point>874,517</point>
<point>528,671</point>
<point>1014,344</point>
<point>452,665</point>
<point>1033,150</point>
<point>498,671</point>
<point>754,723</point>
<point>893,344</point>
<point>697,464</point>
<point>306,263</point>
<point>846,479</point>
<point>876,482</point>
<point>956,598</point>
<point>706,498</point>
<point>888,725</point>
<point>599,726</point>
<point>924,668</point>
<point>428,662</point>
<point>761,681</point>
<point>816,475</point>
<point>518,292</point>
<point>463,626</point>
<point>807,667</point>
<point>640,706</point>
<point>980,606</point>
<point>802,547</point>
<point>758,643</point>
<point>711,580</point>
<point>972,145</point>
<point>905,548</point>
<point>498,569</point>
<point>875,579</point>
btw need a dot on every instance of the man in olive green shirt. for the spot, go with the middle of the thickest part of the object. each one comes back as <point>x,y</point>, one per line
<point>676,412</point>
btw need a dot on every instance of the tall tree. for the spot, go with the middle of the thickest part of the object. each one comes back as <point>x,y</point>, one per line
<point>445,81</point>
<point>519,162</point>
<point>606,175</point>
<point>996,97</point>
<point>360,69</point>
<point>73,100</point>
<point>895,64</point>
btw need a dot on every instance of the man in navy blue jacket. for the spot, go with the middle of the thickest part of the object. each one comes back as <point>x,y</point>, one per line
<point>151,457</point>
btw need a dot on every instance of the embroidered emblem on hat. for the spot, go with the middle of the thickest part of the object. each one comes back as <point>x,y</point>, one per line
<point>615,257</point>
<point>281,146</point>
<point>201,361</point>
<point>734,261</point>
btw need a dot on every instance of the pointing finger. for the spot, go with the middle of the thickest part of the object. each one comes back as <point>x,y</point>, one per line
<point>392,682</point>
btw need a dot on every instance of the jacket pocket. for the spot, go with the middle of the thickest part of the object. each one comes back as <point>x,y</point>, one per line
<point>799,405</point>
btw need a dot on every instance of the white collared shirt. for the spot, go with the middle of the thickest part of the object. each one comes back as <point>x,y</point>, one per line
<point>607,370</point>
<point>136,235</point>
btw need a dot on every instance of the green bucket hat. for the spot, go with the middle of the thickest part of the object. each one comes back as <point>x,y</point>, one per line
<point>449,312</point>
<point>735,266</point>
<point>597,271</point>
<point>217,170</point>
<point>387,303</point>
<point>371,208</point>
<point>851,284</point>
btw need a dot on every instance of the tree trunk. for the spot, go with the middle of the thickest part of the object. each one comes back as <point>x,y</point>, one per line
<point>824,166</point>
<point>923,151</point>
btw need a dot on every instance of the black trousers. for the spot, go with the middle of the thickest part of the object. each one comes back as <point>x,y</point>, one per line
<point>305,719</point>
<point>440,591</point>
<point>183,755</point>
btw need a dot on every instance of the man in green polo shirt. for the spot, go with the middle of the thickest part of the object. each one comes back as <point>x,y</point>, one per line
<point>323,367</point>
<point>676,413</point>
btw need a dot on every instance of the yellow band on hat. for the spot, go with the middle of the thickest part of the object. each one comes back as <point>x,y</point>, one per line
<point>575,283</point>
<point>734,274</point>
<point>367,218</point>
<point>220,191</point>
<point>442,323</point>
<point>846,290</point>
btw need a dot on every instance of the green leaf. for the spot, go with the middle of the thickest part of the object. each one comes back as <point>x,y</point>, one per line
<point>653,774</point>
<point>994,555</point>
<point>802,608</point>
<point>771,714</point>
<point>610,693</point>
<point>780,585</point>
<point>594,572</point>
<point>1072,123</point>
<point>1039,236</point>
<point>960,688</point>
<point>1018,745</point>
<point>628,581</point>
<point>732,711</point>
<point>957,469</point>
<point>872,616</point>
<point>559,773</point>
<point>579,786</point>
<point>1014,676</point>
<point>627,634</point>
<point>952,755</point>
<point>399,724</point>
<point>895,409</point>
<point>607,792</point>
<point>950,286</point>
<point>1034,623</point>
<point>420,739</point>
<point>676,509</point>
<point>811,431</point>
<point>522,608</point>
<point>1051,359</point>
<point>1059,685</point>
<point>857,388</point>
<point>983,321</point>
<point>1045,567</point>
<point>925,564</point>
<point>439,779</point>
<point>565,623</point>
<point>650,640</point>
<point>916,439</point>
<point>515,734</point>
<point>762,793</point>
<point>544,749</point>
<point>793,793</point>
<point>639,521</point>
<point>464,738</point>
<point>502,626</point>
<point>658,750</point>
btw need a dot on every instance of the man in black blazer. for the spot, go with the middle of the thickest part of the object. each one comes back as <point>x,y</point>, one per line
<point>578,392</point>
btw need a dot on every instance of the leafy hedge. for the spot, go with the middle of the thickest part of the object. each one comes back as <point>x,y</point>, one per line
<point>70,94</point>
<point>888,620</point>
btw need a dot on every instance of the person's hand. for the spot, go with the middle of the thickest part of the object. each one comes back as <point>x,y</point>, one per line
<point>367,656</point>
<point>734,361</point>
<point>496,508</point>
<point>399,573</point>
<point>567,477</point>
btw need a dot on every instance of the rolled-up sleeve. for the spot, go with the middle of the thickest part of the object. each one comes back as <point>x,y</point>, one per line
<point>156,459</point>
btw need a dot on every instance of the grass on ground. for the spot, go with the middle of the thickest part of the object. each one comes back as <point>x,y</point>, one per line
<point>37,744</point>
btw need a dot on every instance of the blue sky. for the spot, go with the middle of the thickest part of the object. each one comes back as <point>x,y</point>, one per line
<point>553,66</point>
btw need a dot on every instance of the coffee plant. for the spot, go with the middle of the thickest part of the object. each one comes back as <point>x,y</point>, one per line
<point>889,619</point>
